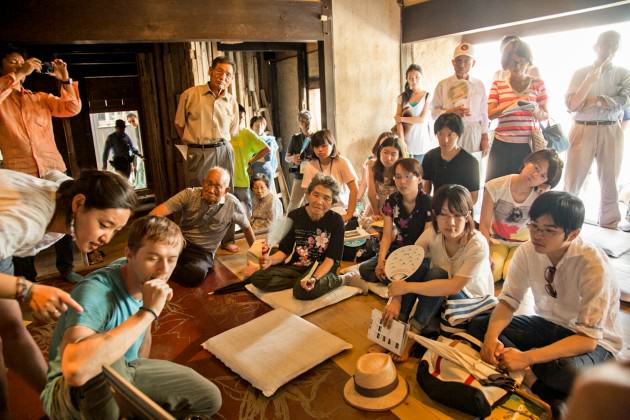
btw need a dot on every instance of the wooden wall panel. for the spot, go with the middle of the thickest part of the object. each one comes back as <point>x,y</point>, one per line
<point>69,21</point>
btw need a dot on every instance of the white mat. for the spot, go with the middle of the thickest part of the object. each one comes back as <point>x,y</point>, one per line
<point>273,349</point>
<point>612,242</point>
<point>284,299</point>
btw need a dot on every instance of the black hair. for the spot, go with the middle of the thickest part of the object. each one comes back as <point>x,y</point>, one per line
<point>241,109</point>
<point>554,173</point>
<point>222,60</point>
<point>324,137</point>
<point>379,169</point>
<point>410,165</point>
<point>255,119</point>
<point>566,210</point>
<point>406,95</point>
<point>6,49</point>
<point>518,47</point>
<point>102,190</point>
<point>459,202</point>
<point>259,177</point>
<point>451,121</point>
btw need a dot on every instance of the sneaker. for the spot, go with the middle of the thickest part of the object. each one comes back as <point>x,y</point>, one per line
<point>354,279</point>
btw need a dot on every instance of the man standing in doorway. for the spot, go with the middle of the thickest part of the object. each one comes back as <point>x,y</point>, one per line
<point>466,97</point>
<point>206,120</point>
<point>27,142</point>
<point>597,96</point>
<point>120,144</point>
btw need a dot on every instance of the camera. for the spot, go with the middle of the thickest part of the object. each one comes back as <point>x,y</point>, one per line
<point>47,67</point>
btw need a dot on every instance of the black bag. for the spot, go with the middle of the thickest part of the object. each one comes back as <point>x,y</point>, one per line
<point>555,137</point>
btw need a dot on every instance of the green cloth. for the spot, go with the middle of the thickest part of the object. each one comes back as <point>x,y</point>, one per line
<point>245,144</point>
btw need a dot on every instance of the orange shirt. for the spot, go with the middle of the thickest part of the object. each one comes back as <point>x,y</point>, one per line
<point>26,134</point>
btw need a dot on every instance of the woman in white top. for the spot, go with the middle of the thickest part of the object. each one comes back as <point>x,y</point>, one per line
<point>34,214</point>
<point>459,268</point>
<point>506,202</point>
<point>327,161</point>
<point>413,115</point>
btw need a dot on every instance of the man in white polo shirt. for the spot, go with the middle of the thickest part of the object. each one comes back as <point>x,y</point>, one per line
<point>466,96</point>
<point>576,302</point>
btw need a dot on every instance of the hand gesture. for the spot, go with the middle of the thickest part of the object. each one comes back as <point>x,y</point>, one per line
<point>29,66</point>
<point>460,110</point>
<point>308,284</point>
<point>155,294</point>
<point>391,312</point>
<point>60,70</point>
<point>398,288</point>
<point>491,351</point>
<point>514,359</point>
<point>48,303</point>
<point>380,271</point>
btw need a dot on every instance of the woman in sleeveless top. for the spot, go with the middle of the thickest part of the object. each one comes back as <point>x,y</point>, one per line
<point>412,115</point>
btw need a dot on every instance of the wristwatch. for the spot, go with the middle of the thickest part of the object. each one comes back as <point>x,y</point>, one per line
<point>66,82</point>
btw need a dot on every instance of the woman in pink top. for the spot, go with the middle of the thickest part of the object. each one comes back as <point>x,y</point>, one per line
<point>512,135</point>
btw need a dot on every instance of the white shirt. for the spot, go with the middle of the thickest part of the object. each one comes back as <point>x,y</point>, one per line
<point>27,205</point>
<point>472,261</point>
<point>452,92</point>
<point>588,295</point>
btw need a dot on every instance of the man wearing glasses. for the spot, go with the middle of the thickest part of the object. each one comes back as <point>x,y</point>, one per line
<point>576,302</point>
<point>206,120</point>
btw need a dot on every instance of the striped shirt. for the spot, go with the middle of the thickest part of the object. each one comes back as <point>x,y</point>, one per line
<point>517,126</point>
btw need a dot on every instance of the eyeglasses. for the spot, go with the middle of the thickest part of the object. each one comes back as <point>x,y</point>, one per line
<point>546,232</point>
<point>222,73</point>
<point>550,274</point>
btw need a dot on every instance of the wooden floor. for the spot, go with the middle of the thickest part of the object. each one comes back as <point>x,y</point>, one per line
<point>194,316</point>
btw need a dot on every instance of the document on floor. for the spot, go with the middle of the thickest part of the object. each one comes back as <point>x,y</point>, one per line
<point>392,339</point>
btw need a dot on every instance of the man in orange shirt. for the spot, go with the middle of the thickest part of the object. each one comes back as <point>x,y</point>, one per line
<point>27,142</point>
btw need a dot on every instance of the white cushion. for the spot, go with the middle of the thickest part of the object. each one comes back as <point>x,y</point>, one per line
<point>379,289</point>
<point>274,348</point>
<point>284,299</point>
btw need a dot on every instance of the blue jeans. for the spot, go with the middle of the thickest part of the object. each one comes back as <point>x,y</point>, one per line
<point>528,332</point>
<point>6,266</point>
<point>426,319</point>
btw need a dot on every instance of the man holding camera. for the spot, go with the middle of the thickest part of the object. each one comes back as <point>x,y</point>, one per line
<point>27,142</point>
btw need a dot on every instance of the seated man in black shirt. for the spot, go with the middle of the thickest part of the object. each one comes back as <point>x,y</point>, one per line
<point>316,236</point>
<point>449,163</point>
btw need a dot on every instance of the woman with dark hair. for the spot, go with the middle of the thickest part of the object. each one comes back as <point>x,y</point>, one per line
<point>266,207</point>
<point>406,213</point>
<point>34,214</point>
<point>506,202</point>
<point>513,134</point>
<point>298,154</point>
<point>380,174</point>
<point>315,245</point>
<point>460,266</point>
<point>363,183</point>
<point>412,115</point>
<point>327,161</point>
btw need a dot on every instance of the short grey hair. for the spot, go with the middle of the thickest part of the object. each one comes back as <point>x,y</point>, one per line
<point>225,175</point>
<point>305,115</point>
<point>327,182</point>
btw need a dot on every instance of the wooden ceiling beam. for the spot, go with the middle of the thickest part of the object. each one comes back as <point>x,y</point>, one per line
<point>450,17</point>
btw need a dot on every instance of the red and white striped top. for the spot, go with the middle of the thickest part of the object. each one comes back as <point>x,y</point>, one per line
<point>517,126</point>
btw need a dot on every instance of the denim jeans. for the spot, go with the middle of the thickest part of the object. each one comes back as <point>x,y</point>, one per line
<point>426,319</point>
<point>528,332</point>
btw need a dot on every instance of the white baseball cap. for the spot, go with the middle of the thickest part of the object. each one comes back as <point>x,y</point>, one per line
<point>464,49</point>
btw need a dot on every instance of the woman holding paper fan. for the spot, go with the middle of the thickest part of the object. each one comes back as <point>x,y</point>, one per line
<point>315,244</point>
<point>460,266</point>
<point>406,213</point>
<point>518,102</point>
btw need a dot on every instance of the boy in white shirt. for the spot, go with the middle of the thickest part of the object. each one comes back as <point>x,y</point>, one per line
<point>576,301</point>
